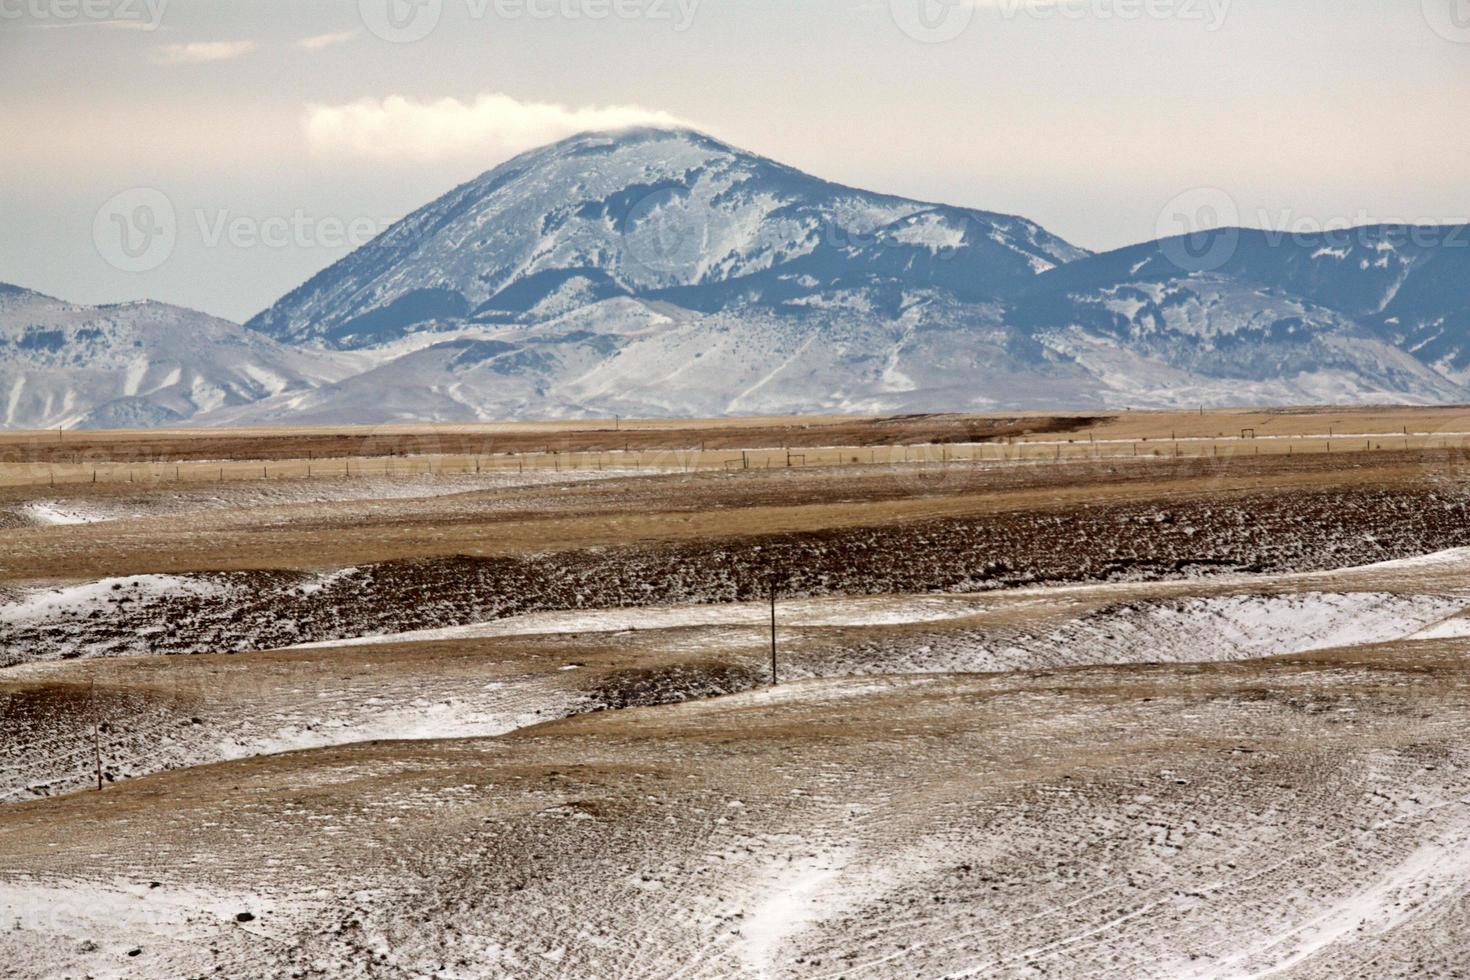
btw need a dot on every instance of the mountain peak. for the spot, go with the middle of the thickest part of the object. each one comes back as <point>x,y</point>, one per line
<point>653,213</point>
<point>629,136</point>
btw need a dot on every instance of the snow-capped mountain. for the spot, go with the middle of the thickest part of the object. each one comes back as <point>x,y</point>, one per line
<point>655,214</point>
<point>1408,285</point>
<point>636,357</point>
<point>137,364</point>
<point>662,272</point>
<point>1300,317</point>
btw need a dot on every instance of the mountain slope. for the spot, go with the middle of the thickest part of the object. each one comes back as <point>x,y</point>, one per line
<point>136,364</point>
<point>1259,311</point>
<point>657,214</point>
<point>646,358</point>
<point>661,273</point>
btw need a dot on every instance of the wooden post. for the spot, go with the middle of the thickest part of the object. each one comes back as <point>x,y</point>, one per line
<point>774,680</point>
<point>96,731</point>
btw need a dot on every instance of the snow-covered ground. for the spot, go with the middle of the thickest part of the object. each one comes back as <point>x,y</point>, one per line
<point>205,497</point>
<point>42,512</point>
<point>333,693</point>
<point>1185,822</point>
<point>81,601</point>
<point>1215,627</point>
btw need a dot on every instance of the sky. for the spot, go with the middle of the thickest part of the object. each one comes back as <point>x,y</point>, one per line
<point>257,142</point>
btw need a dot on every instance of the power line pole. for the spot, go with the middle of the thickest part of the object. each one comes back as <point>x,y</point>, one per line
<point>774,680</point>
<point>96,731</point>
<point>775,583</point>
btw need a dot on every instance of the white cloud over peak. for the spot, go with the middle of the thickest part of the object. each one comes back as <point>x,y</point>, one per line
<point>319,41</point>
<point>492,126</point>
<point>201,52</point>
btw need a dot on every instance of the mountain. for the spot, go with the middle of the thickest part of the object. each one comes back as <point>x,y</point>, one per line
<point>137,364</point>
<point>641,358</point>
<point>663,272</point>
<point>659,215</point>
<point>660,272</point>
<point>1409,285</point>
<point>1326,317</point>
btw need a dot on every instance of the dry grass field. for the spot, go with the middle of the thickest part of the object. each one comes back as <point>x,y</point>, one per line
<point>1146,695</point>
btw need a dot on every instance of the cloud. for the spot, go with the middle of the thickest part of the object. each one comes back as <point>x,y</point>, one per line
<point>493,126</point>
<point>201,52</point>
<point>319,41</point>
<point>109,24</point>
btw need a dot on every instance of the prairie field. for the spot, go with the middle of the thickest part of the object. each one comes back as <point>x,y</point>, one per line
<point>1148,694</point>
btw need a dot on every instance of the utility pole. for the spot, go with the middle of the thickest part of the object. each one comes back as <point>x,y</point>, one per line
<point>96,732</point>
<point>775,583</point>
<point>774,680</point>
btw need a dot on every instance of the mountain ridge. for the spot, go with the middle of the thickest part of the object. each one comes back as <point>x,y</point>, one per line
<point>670,214</point>
<point>663,272</point>
<point>136,364</point>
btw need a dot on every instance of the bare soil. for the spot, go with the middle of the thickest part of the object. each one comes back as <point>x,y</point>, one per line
<point>1123,697</point>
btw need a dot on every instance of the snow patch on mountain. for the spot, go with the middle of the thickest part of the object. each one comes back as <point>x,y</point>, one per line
<point>138,364</point>
<point>648,213</point>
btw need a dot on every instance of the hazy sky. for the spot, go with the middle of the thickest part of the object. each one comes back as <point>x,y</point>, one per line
<point>277,133</point>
